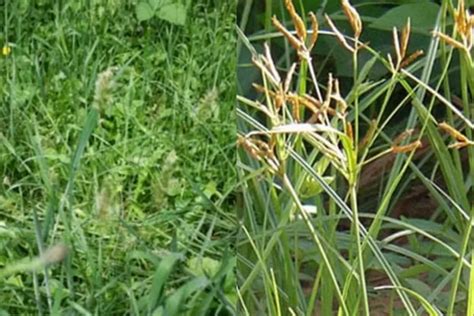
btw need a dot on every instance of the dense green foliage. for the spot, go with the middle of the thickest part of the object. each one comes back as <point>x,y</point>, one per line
<point>116,141</point>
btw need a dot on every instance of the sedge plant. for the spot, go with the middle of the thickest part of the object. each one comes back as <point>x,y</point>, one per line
<point>310,153</point>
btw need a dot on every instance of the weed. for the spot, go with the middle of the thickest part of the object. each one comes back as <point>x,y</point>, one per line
<point>314,229</point>
<point>100,150</point>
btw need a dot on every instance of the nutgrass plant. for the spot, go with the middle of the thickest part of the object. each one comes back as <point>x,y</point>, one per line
<point>322,180</point>
<point>116,160</point>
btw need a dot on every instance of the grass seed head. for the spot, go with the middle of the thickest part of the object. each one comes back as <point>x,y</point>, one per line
<point>297,21</point>
<point>408,60</point>
<point>405,38</point>
<point>461,140</point>
<point>464,22</point>
<point>314,29</point>
<point>294,42</point>
<point>295,108</point>
<point>401,46</point>
<point>54,254</point>
<point>103,85</point>
<point>349,131</point>
<point>461,17</point>
<point>248,146</point>
<point>353,17</point>
<point>460,145</point>
<point>407,148</point>
<point>404,135</point>
<point>449,40</point>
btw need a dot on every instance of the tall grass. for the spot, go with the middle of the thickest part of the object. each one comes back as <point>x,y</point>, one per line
<point>321,179</point>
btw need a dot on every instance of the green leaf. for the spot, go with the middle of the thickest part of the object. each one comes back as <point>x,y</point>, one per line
<point>430,309</point>
<point>174,303</point>
<point>203,266</point>
<point>173,12</point>
<point>155,4</point>
<point>211,189</point>
<point>162,273</point>
<point>311,187</point>
<point>144,11</point>
<point>160,311</point>
<point>398,17</point>
<point>4,313</point>
<point>419,286</point>
<point>470,297</point>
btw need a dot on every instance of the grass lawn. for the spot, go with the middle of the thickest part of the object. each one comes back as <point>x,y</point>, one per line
<point>117,148</point>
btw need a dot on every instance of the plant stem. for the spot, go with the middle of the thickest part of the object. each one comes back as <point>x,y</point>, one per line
<point>316,239</point>
<point>455,284</point>
<point>360,257</point>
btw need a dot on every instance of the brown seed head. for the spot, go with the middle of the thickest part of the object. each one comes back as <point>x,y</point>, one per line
<point>405,38</point>
<point>296,43</point>
<point>353,17</point>
<point>449,40</point>
<point>411,58</point>
<point>297,21</point>
<point>453,132</point>
<point>407,148</point>
<point>404,135</point>
<point>314,29</point>
<point>462,19</point>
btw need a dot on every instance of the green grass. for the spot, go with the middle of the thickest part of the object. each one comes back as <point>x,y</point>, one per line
<point>134,174</point>
<point>315,232</point>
